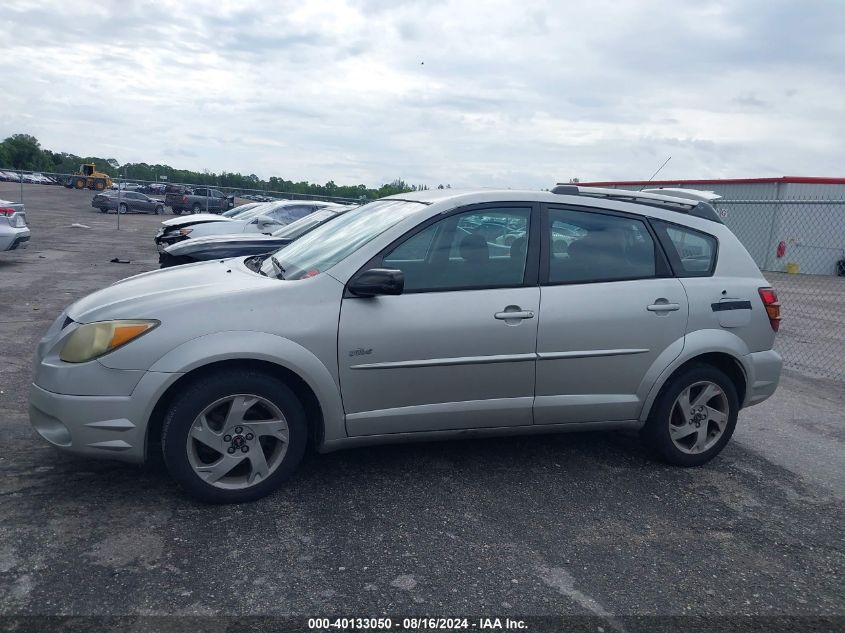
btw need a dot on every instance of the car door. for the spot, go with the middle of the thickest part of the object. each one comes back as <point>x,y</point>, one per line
<point>216,201</point>
<point>611,316</point>
<point>456,349</point>
<point>144,203</point>
<point>131,200</point>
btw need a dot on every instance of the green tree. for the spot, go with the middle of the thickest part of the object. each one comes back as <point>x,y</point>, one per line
<point>24,152</point>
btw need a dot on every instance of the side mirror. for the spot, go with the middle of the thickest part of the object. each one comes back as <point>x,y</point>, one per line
<point>378,281</point>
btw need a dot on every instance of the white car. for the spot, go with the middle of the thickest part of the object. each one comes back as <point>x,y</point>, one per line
<point>14,232</point>
<point>40,179</point>
<point>264,218</point>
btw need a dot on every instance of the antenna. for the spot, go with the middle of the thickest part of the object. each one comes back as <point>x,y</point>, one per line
<point>655,173</point>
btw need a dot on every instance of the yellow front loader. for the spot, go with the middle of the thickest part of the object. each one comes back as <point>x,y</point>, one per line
<point>89,178</point>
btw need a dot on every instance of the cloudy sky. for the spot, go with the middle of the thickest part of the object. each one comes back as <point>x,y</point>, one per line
<point>517,93</point>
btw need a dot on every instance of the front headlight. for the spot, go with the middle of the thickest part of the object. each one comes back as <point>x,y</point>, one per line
<point>95,339</point>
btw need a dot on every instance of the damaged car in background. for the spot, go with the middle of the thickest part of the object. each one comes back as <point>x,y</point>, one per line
<point>242,244</point>
<point>265,218</point>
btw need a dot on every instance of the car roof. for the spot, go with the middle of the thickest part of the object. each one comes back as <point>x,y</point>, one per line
<point>571,194</point>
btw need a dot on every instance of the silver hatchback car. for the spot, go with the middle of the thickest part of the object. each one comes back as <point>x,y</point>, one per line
<point>431,315</point>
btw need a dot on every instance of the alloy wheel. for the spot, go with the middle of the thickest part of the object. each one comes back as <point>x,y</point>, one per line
<point>698,417</point>
<point>237,441</point>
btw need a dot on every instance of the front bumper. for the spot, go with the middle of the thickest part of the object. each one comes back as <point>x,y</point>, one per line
<point>763,372</point>
<point>104,427</point>
<point>163,240</point>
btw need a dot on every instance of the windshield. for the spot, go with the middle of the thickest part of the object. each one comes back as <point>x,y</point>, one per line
<point>333,241</point>
<point>303,225</point>
<point>231,213</point>
<point>254,211</point>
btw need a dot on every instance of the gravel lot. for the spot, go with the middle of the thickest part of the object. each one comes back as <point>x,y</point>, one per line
<point>578,524</point>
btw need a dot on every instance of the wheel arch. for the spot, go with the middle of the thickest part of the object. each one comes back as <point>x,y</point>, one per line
<point>299,367</point>
<point>724,360</point>
<point>300,387</point>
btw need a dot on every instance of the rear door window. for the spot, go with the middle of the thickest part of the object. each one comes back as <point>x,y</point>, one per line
<point>587,247</point>
<point>692,253</point>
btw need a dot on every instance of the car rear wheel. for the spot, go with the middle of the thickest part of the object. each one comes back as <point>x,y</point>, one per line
<point>196,208</point>
<point>234,436</point>
<point>104,210</point>
<point>694,416</point>
<point>176,211</point>
<point>158,210</point>
<point>122,208</point>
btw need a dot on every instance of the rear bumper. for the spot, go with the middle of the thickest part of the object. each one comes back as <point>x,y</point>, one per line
<point>14,238</point>
<point>763,372</point>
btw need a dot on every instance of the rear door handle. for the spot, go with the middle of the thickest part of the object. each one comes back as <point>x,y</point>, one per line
<point>507,315</point>
<point>663,307</point>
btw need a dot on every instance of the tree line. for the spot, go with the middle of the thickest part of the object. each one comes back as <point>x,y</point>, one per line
<point>23,151</point>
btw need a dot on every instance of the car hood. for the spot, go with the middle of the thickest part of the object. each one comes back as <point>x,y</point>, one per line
<point>228,243</point>
<point>196,218</point>
<point>151,294</point>
<point>229,238</point>
<point>227,227</point>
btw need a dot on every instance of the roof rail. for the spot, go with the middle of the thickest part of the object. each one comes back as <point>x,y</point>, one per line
<point>699,209</point>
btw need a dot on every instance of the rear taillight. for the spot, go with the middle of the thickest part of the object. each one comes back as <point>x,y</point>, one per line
<point>185,199</point>
<point>772,305</point>
<point>7,211</point>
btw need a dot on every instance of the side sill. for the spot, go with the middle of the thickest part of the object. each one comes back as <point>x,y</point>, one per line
<point>457,434</point>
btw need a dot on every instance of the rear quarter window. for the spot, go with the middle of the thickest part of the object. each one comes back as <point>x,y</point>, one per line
<point>692,253</point>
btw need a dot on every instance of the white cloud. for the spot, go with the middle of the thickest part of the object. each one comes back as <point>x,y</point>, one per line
<point>517,94</point>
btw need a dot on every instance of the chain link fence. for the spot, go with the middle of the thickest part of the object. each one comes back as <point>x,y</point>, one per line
<point>799,244</point>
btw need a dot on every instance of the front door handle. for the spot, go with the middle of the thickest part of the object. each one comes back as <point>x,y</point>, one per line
<point>664,306</point>
<point>513,313</point>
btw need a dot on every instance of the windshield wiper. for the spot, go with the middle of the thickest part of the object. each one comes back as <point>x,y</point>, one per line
<point>280,270</point>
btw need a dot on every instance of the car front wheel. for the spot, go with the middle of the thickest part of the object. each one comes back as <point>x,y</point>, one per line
<point>234,436</point>
<point>694,416</point>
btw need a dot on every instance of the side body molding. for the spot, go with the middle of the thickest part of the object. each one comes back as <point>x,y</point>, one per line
<point>251,345</point>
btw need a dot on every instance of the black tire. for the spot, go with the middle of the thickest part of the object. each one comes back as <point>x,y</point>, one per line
<point>176,211</point>
<point>656,431</point>
<point>200,393</point>
<point>99,184</point>
<point>122,208</point>
<point>158,210</point>
<point>104,210</point>
<point>196,208</point>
